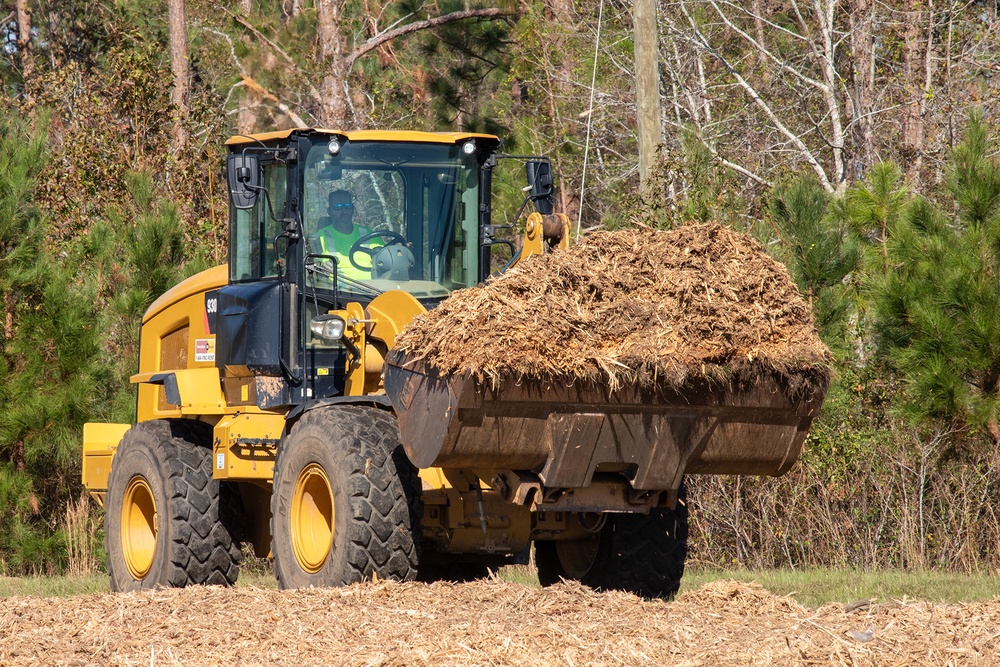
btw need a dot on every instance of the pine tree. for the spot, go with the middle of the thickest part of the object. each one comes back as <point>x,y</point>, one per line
<point>49,366</point>
<point>819,251</point>
<point>938,306</point>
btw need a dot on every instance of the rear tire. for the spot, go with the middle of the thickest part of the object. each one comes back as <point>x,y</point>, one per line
<point>639,553</point>
<point>341,507</point>
<point>162,526</point>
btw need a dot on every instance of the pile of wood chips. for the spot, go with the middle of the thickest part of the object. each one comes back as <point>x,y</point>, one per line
<point>488,622</point>
<point>655,309</point>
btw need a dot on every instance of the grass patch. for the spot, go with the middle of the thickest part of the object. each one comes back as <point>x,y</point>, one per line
<point>815,587</point>
<point>811,588</point>
<point>518,574</point>
<point>61,586</point>
<point>257,580</point>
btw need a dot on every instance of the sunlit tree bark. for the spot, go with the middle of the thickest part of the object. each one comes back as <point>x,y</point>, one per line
<point>337,59</point>
<point>245,117</point>
<point>179,69</point>
<point>24,45</point>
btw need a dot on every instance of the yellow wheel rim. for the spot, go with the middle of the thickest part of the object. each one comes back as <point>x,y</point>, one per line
<point>312,518</point>
<point>139,527</point>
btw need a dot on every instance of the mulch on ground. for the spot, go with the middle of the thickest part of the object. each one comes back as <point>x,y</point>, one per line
<point>656,309</point>
<point>488,622</point>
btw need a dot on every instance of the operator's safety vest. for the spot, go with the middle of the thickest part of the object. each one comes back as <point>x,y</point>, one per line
<point>339,244</point>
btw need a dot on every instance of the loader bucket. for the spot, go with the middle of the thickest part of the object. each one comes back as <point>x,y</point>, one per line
<point>566,433</point>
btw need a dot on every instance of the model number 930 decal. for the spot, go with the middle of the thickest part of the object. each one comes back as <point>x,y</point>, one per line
<point>211,309</point>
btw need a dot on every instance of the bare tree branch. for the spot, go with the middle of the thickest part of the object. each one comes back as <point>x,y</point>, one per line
<point>803,150</point>
<point>251,83</point>
<point>824,55</point>
<point>382,38</point>
<point>780,62</point>
<point>277,49</point>
<point>763,19</point>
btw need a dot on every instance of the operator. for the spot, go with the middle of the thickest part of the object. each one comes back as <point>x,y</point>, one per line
<point>337,237</point>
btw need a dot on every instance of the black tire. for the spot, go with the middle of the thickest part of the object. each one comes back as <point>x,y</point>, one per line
<point>343,509</point>
<point>639,553</point>
<point>162,526</point>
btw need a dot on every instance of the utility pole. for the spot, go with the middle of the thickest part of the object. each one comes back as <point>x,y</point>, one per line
<point>647,86</point>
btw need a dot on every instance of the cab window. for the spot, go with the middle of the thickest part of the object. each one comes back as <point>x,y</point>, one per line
<point>253,230</point>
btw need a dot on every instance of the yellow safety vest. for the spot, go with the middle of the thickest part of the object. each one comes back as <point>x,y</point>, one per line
<point>339,244</point>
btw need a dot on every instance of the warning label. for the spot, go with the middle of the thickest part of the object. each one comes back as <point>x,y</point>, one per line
<point>204,349</point>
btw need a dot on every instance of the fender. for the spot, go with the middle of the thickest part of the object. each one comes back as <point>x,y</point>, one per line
<point>196,391</point>
<point>376,401</point>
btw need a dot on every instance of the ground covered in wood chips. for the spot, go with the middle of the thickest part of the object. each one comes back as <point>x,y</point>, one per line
<point>488,622</point>
<point>629,307</point>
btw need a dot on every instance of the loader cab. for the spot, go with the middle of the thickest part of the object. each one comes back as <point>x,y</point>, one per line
<point>321,219</point>
<point>316,194</point>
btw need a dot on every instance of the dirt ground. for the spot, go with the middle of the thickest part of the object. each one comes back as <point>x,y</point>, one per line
<point>488,623</point>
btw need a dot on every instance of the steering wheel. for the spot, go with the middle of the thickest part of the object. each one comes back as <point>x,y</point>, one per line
<point>390,237</point>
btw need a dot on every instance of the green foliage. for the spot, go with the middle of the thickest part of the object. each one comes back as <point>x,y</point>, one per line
<point>974,176</point>
<point>137,255</point>
<point>868,492</point>
<point>73,295</point>
<point>461,57</point>
<point>874,206</point>
<point>938,308</point>
<point>50,363</point>
<point>820,254</point>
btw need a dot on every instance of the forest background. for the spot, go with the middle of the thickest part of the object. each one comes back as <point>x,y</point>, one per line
<point>854,139</point>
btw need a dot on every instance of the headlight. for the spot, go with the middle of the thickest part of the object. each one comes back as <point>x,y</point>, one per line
<point>333,147</point>
<point>469,147</point>
<point>327,327</point>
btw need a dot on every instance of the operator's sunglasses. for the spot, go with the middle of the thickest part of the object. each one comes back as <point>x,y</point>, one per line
<point>343,206</point>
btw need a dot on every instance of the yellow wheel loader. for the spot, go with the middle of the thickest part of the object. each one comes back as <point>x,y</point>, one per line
<point>273,411</point>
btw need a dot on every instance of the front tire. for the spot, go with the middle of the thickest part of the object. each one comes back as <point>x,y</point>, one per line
<point>162,526</point>
<point>638,553</point>
<point>340,511</point>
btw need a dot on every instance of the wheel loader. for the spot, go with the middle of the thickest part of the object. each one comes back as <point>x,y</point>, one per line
<point>273,411</point>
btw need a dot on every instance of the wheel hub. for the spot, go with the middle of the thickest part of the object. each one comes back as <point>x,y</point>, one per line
<point>139,527</point>
<point>312,518</point>
<point>577,556</point>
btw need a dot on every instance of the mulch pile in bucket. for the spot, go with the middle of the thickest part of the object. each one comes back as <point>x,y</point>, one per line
<point>656,309</point>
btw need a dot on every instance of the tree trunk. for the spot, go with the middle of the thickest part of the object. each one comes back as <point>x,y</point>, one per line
<point>828,41</point>
<point>914,73</point>
<point>24,46</point>
<point>246,119</point>
<point>289,10</point>
<point>647,87</point>
<point>179,68</point>
<point>333,106</point>
<point>862,98</point>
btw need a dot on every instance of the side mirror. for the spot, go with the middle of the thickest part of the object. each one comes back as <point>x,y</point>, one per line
<point>243,172</point>
<point>539,173</point>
